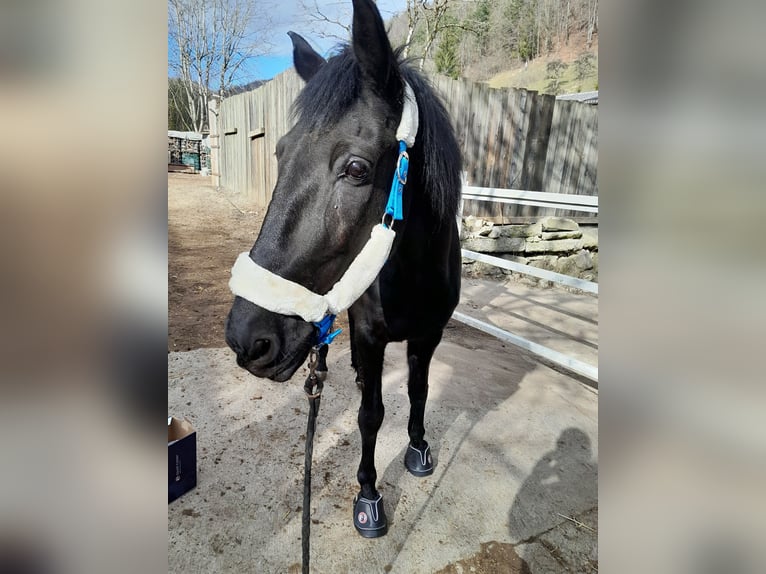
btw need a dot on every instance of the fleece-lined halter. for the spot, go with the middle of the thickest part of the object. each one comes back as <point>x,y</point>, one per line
<point>279,295</point>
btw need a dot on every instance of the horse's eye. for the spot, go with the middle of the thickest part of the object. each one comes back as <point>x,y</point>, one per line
<point>356,170</point>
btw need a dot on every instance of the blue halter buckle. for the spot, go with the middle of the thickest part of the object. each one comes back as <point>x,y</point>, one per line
<point>325,337</point>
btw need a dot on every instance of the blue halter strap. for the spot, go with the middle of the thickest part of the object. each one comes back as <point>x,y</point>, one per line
<point>394,206</point>
<point>394,209</point>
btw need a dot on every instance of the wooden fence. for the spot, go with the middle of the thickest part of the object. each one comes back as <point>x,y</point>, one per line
<point>250,125</point>
<point>510,138</point>
<point>520,139</point>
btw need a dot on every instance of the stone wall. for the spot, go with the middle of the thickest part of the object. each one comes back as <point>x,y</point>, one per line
<point>553,243</point>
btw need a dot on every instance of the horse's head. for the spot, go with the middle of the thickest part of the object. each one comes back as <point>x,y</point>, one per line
<point>335,170</point>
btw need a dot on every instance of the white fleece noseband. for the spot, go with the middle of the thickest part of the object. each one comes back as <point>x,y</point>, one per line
<point>279,295</point>
<point>262,287</point>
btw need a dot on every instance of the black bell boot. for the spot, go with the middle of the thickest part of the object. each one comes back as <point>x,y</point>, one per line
<point>369,517</point>
<point>418,460</point>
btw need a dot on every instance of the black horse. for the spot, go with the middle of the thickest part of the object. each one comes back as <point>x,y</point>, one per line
<point>335,170</point>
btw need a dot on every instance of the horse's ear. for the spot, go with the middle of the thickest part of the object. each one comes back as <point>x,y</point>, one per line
<point>307,61</point>
<point>372,48</point>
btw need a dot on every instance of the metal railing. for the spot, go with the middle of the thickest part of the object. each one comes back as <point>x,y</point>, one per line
<point>583,203</point>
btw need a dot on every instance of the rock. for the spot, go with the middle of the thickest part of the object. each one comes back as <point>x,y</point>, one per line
<point>520,230</point>
<point>563,265</point>
<point>549,235</point>
<point>514,258</point>
<point>494,232</point>
<point>473,224</point>
<point>547,262</point>
<point>486,229</point>
<point>583,260</point>
<point>556,246</point>
<point>590,237</point>
<point>558,224</point>
<point>480,269</point>
<point>575,264</point>
<point>499,245</point>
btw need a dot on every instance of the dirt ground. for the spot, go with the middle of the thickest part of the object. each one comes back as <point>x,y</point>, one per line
<point>207,229</point>
<point>515,441</point>
<point>206,232</point>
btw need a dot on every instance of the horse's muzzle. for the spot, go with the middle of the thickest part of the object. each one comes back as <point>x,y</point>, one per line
<point>267,344</point>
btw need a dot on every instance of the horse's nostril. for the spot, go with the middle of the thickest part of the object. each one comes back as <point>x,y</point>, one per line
<point>260,348</point>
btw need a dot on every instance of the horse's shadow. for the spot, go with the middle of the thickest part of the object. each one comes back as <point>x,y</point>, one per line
<point>560,492</point>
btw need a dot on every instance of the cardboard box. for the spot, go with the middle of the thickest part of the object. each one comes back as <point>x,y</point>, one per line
<point>182,457</point>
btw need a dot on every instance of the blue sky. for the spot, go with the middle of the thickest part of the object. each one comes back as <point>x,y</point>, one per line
<point>266,67</point>
<point>289,16</point>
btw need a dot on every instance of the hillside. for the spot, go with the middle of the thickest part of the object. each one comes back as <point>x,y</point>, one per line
<point>534,74</point>
<point>543,45</point>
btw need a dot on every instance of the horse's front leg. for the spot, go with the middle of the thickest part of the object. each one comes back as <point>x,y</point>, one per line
<point>418,458</point>
<point>354,360</point>
<point>369,516</point>
<point>321,368</point>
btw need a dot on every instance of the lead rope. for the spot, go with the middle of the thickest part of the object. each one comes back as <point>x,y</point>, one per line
<point>313,388</point>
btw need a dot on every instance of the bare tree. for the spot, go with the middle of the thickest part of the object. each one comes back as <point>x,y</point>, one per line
<point>413,15</point>
<point>210,40</point>
<point>437,18</point>
<point>332,20</point>
<point>592,21</point>
<point>434,14</point>
<point>178,109</point>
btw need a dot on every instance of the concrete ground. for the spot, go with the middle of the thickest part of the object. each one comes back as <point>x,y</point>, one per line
<point>515,445</point>
<point>561,320</point>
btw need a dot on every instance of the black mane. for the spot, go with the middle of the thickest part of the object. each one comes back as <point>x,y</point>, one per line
<point>435,159</point>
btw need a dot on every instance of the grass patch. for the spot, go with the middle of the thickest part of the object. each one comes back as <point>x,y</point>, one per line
<point>533,77</point>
